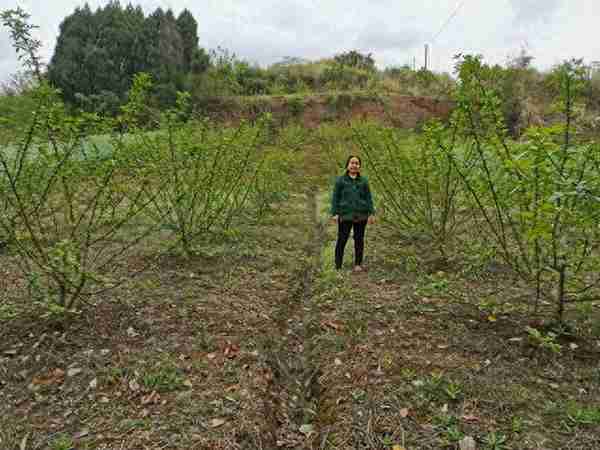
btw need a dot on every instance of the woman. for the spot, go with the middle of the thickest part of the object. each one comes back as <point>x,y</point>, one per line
<point>351,207</point>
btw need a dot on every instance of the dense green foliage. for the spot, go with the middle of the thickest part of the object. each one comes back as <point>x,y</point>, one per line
<point>533,203</point>
<point>418,185</point>
<point>79,194</point>
<point>98,52</point>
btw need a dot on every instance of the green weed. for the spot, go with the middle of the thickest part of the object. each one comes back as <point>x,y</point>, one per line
<point>165,378</point>
<point>62,442</point>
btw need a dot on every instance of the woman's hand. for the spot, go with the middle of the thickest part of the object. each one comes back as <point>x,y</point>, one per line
<point>334,219</point>
<point>371,220</point>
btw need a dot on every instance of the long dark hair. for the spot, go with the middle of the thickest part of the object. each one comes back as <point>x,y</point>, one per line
<point>348,161</point>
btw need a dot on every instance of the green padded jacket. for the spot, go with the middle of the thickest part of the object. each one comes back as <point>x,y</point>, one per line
<point>352,198</point>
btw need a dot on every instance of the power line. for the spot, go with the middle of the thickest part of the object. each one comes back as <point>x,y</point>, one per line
<point>450,17</point>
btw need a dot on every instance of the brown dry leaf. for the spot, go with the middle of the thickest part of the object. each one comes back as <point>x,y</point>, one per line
<point>470,418</point>
<point>80,434</point>
<point>134,385</point>
<point>231,350</point>
<point>332,324</point>
<point>153,397</point>
<point>56,376</point>
<point>404,412</point>
<point>214,423</point>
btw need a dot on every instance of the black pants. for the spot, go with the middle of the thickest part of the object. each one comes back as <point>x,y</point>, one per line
<point>344,228</point>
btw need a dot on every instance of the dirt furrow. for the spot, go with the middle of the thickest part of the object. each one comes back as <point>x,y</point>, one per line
<point>292,394</point>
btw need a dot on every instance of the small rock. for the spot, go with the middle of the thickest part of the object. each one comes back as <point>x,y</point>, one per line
<point>11,352</point>
<point>573,346</point>
<point>104,351</point>
<point>94,383</point>
<point>134,385</point>
<point>337,361</point>
<point>468,443</point>
<point>131,332</point>
<point>188,383</point>
<point>307,429</point>
<point>104,400</point>
<point>74,371</point>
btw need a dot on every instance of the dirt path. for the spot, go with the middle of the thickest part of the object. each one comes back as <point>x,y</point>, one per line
<point>292,395</point>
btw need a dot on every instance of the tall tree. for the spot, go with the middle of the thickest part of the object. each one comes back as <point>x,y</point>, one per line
<point>98,53</point>
<point>188,30</point>
<point>72,67</point>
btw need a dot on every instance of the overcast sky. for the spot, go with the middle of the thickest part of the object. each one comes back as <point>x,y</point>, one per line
<point>395,31</point>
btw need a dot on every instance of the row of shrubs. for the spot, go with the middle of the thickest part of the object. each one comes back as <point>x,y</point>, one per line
<point>79,194</point>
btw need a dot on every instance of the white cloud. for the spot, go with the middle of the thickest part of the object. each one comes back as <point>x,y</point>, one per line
<point>265,31</point>
<point>533,11</point>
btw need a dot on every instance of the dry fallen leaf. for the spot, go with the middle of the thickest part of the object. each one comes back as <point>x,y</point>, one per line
<point>231,350</point>
<point>153,397</point>
<point>470,418</point>
<point>331,324</point>
<point>80,434</point>
<point>134,385</point>
<point>214,423</point>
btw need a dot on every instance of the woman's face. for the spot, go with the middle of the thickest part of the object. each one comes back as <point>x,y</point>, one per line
<point>353,166</point>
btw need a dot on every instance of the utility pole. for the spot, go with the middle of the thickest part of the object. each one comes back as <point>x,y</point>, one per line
<point>426,56</point>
